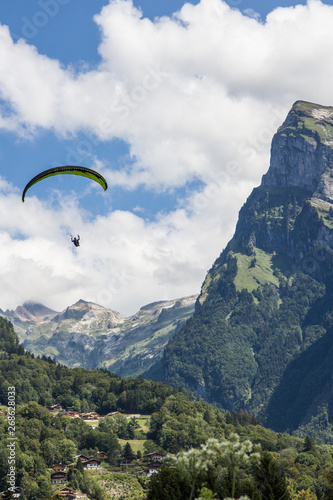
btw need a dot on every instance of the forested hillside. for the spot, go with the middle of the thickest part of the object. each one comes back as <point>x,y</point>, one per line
<point>47,382</point>
<point>244,457</point>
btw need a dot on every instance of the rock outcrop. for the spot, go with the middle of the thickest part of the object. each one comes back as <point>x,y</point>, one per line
<point>292,211</point>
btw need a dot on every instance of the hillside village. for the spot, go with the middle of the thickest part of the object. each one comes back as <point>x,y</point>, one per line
<point>136,465</point>
<point>130,463</point>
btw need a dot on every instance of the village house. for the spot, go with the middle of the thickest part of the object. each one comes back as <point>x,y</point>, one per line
<point>83,458</point>
<point>112,413</point>
<point>90,416</point>
<point>102,454</point>
<point>76,495</point>
<point>58,478</point>
<point>70,414</point>
<point>92,464</point>
<point>155,457</point>
<point>65,491</point>
<point>54,407</point>
<point>154,467</point>
<point>133,416</point>
<point>58,467</point>
<point>125,462</point>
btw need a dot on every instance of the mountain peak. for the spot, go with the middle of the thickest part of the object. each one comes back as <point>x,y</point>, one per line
<point>87,311</point>
<point>34,311</point>
<point>301,152</point>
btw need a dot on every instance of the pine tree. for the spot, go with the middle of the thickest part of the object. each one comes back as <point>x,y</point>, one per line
<point>127,451</point>
<point>270,483</point>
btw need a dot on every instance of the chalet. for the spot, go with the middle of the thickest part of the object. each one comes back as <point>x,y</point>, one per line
<point>102,454</point>
<point>112,413</point>
<point>90,416</point>
<point>54,407</point>
<point>154,467</point>
<point>65,492</point>
<point>58,467</point>
<point>125,462</point>
<point>83,458</point>
<point>76,495</point>
<point>92,464</point>
<point>155,457</point>
<point>70,414</point>
<point>133,416</point>
<point>58,478</point>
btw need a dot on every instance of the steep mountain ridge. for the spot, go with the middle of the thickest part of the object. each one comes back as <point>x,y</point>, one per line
<point>88,335</point>
<point>257,313</point>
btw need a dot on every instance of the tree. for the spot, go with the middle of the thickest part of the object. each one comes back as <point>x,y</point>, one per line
<point>67,449</point>
<point>236,453</point>
<point>195,463</point>
<point>309,444</point>
<point>169,484</point>
<point>50,452</point>
<point>128,452</point>
<point>79,466</point>
<point>305,495</point>
<point>270,483</point>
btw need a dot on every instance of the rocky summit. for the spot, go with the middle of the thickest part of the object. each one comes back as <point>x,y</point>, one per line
<point>262,334</point>
<point>291,212</point>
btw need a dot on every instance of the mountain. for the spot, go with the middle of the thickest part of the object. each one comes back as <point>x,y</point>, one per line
<point>91,336</point>
<point>261,337</point>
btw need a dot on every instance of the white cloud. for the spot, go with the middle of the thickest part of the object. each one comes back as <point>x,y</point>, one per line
<point>196,96</point>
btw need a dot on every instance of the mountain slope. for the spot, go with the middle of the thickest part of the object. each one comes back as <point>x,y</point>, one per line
<point>261,333</point>
<point>91,336</point>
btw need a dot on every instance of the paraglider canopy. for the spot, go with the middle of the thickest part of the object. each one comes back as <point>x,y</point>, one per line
<point>69,169</point>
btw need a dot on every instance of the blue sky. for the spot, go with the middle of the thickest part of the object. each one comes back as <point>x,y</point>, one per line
<point>174,103</point>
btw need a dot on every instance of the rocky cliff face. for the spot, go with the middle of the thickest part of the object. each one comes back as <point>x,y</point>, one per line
<point>266,304</point>
<point>301,152</point>
<point>292,211</point>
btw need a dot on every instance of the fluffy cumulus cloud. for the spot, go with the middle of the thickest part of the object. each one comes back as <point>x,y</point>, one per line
<point>197,97</point>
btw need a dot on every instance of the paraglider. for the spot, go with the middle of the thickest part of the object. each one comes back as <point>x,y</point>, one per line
<point>69,169</point>
<point>76,240</point>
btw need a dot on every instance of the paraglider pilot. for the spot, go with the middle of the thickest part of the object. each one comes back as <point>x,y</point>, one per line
<point>76,240</point>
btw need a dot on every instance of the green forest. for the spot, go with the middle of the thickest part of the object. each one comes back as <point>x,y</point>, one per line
<point>207,453</point>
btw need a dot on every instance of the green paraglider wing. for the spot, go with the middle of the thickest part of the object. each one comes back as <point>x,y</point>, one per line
<point>69,169</point>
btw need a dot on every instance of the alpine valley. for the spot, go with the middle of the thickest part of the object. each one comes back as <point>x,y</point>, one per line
<point>259,336</point>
